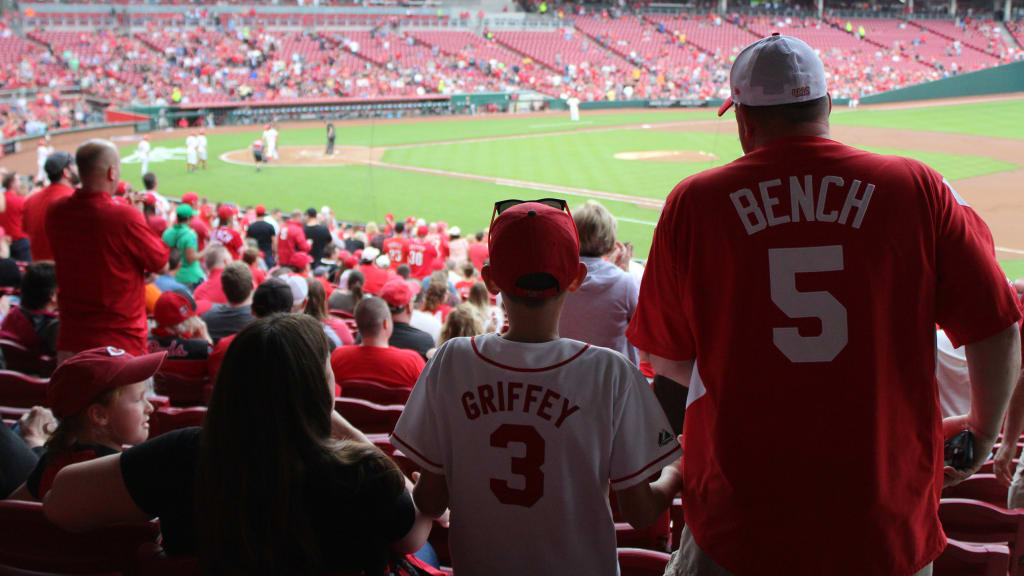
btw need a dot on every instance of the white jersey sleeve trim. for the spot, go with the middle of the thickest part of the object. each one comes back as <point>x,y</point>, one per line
<point>416,456</point>
<point>642,474</point>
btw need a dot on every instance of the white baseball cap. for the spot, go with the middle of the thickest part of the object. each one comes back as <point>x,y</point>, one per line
<point>299,286</point>
<point>370,254</point>
<point>776,70</point>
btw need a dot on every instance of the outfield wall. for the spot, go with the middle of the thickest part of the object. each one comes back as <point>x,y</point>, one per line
<point>1005,79</point>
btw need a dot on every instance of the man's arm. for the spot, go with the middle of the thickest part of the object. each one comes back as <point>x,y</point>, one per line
<point>431,494</point>
<point>675,370</point>
<point>341,429</point>
<point>1012,428</point>
<point>994,367</point>
<point>642,504</point>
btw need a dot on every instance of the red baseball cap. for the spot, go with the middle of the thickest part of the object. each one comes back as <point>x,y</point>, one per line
<point>343,255</point>
<point>173,308</point>
<point>122,187</point>
<point>300,260</point>
<point>261,210</point>
<point>77,382</point>
<point>225,212</point>
<point>533,238</point>
<point>149,198</point>
<point>396,292</point>
<point>351,262</point>
<point>190,198</point>
<point>421,230</point>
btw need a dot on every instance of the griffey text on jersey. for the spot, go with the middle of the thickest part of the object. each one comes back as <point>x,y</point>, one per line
<point>518,397</point>
<point>808,200</point>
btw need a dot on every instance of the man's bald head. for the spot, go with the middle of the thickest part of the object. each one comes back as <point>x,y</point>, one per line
<point>99,165</point>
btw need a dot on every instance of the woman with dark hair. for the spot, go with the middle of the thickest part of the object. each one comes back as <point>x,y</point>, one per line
<point>316,306</point>
<point>346,301</point>
<point>274,482</point>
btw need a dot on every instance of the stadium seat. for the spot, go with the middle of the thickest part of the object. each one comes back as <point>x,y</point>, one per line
<point>19,359</point>
<point>367,416</point>
<point>976,521</point>
<point>164,420</point>
<point>640,562</point>
<point>19,390</point>
<point>185,382</point>
<point>29,542</point>
<point>654,537</point>
<point>983,487</point>
<point>967,559</point>
<point>376,392</point>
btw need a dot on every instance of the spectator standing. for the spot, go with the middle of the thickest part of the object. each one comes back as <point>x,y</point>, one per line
<point>291,239</point>
<point>398,296</point>
<point>157,223</point>
<point>397,247</point>
<point>63,174</point>
<point>103,253</point>
<point>217,258</point>
<point>11,217</point>
<point>491,316</point>
<point>375,359</point>
<point>608,286</point>
<point>375,275</point>
<point>183,237</point>
<point>478,251</point>
<point>736,322</point>
<point>265,235</point>
<point>458,247</point>
<point>422,254</point>
<point>225,319</point>
<point>226,234</point>
<point>318,235</point>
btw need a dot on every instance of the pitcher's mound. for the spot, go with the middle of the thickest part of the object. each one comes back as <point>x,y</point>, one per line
<point>668,156</point>
<point>311,156</point>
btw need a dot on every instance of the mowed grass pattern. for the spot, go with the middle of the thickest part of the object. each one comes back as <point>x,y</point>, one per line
<point>542,149</point>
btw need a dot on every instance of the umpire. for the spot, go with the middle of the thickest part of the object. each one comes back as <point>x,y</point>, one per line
<point>330,139</point>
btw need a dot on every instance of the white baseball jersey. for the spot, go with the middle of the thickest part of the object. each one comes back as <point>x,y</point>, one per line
<point>270,137</point>
<point>42,153</point>
<point>144,148</point>
<point>191,144</point>
<point>201,143</point>
<point>529,436</point>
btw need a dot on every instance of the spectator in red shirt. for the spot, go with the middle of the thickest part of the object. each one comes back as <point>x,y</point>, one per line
<point>226,234</point>
<point>10,219</point>
<point>63,174</point>
<point>397,247</point>
<point>250,257</point>
<point>200,227</point>
<point>375,276</point>
<point>34,323</point>
<point>103,253</point>
<point>291,238</point>
<point>478,251</point>
<point>469,274</point>
<point>299,262</point>
<point>156,223</point>
<point>217,258</point>
<point>374,359</point>
<point>422,254</point>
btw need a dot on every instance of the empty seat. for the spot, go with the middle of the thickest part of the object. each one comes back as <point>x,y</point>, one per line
<point>983,487</point>
<point>19,390</point>
<point>376,392</point>
<point>166,419</point>
<point>640,562</point>
<point>20,359</point>
<point>967,559</point>
<point>367,416</point>
<point>976,521</point>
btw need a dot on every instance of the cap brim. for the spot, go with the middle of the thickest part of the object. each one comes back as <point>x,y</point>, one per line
<point>725,106</point>
<point>140,368</point>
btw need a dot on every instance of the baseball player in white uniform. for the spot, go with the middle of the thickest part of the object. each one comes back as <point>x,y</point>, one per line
<point>270,137</point>
<point>43,152</point>
<point>191,151</point>
<point>201,146</point>
<point>520,434</point>
<point>574,108</point>
<point>143,149</point>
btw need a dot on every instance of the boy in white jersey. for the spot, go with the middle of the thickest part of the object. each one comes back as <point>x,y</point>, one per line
<point>522,434</point>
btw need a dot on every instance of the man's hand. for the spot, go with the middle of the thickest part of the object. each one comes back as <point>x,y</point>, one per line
<point>982,448</point>
<point>36,426</point>
<point>621,255</point>
<point>1004,466</point>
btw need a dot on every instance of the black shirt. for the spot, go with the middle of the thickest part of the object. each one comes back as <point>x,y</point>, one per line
<point>223,320</point>
<point>180,348</point>
<point>355,528</point>
<point>17,461</point>
<point>264,234</point>
<point>318,236</point>
<point>39,481</point>
<point>405,336</point>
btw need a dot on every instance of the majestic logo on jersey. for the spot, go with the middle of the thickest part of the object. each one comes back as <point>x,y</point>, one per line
<point>665,437</point>
<point>157,154</point>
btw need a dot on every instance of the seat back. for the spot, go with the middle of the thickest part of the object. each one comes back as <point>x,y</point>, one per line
<point>976,521</point>
<point>21,359</point>
<point>984,487</point>
<point>967,559</point>
<point>639,562</point>
<point>184,382</point>
<point>376,392</point>
<point>19,390</point>
<point>30,542</point>
<point>163,420</point>
<point>368,417</point>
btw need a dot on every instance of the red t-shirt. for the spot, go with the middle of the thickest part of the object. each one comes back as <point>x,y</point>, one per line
<point>230,239</point>
<point>202,233</point>
<point>478,252</point>
<point>397,249</point>
<point>211,290</point>
<point>290,239</point>
<point>34,218</point>
<point>392,366</point>
<point>214,360</point>
<point>462,288</point>
<point>157,224</point>
<point>806,279</point>
<point>421,258</point>
<point>102,252</point>
<point>375,278</point>
<point>10,218</point>
<point>258,275</point>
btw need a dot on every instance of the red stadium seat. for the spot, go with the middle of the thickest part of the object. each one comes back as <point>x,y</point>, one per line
<point>185,382</point>
<point>976,521</point>
<point>376,392</point>
<point>367,416</point>
<point>166,419</point>
<point>640,562</point>
<point>21,391</point>
<point>983,487</point>
<point>29,542</point>
<point>967,559</point>
<point>19,359</point>
<point>405,463</point>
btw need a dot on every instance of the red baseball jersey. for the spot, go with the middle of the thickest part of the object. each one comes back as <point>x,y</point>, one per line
<point>230,239</point>
<point>290,240</point>
<point>397,249</point>
<point>421,258</point>
<point>805,279</point>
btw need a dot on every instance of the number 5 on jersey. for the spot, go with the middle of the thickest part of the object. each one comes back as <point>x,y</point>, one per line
<point>783,265</point>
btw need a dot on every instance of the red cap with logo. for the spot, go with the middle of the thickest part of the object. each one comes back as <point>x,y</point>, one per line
<point>173,308</point>
<point>190,198</point>
<point>396,292</point>
<point>225,212</point>
<point>80,379</point>
<point>533,238</point>
<point>261,210</point>
<point>300,260</point>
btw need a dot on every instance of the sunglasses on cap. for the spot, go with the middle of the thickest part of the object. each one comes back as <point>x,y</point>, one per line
<point>502,205</point>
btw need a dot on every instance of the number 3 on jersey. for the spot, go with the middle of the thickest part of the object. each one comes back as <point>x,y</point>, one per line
<point>527,466</point>
<point>783,265</point>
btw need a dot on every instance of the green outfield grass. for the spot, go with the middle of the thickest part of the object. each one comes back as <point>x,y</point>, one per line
<point>547,150</point>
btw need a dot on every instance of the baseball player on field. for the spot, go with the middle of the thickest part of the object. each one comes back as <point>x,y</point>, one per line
<point>201,147</point>
<point>144,149</point>
<point>521,434</point>
<point>191,151</point>
<point>270,137</point>
<point>813,439</point>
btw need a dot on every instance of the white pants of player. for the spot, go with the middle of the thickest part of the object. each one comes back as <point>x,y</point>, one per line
<point>574,114</point>
<point>202,155</point>
<point>41,173</point>
<point>145,165</point>
<point>272,152</point>
<point>190,158</point>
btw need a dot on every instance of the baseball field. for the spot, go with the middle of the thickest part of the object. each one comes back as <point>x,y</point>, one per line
<point>454,168</point>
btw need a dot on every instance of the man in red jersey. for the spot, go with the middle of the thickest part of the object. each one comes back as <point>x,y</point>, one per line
<point>797,290</point>
<point>397,247</point>
<point>291,238</point>
<point>103,252</point>
<point>421,254</point>
<point>226,234</point>
<point>63,174</point>
<point>11,217</point>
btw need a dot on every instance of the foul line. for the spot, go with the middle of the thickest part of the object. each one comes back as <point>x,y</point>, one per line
<point>1009,250</point>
